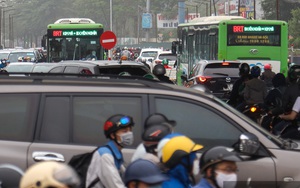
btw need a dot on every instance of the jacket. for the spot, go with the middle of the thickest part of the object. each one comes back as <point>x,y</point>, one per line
<point>255,91</point>
<point>203,184</point>
<point>179,178</point>
<point>107,165</point>
<point>267,76</point>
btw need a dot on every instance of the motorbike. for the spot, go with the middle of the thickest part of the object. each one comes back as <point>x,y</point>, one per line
<point>117,56</point>
<point>255,112</point>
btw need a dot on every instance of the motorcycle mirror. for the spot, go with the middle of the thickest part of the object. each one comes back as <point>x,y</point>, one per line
<point>248,144</point>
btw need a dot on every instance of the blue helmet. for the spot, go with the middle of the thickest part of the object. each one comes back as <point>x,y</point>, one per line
<point>144,171</point>
<point>255,71</point>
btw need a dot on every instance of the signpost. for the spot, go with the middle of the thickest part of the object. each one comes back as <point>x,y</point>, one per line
<point>108,40</point>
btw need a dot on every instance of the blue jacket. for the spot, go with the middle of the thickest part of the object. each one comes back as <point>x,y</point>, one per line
<point>179,178</point>
<point>203,184</point>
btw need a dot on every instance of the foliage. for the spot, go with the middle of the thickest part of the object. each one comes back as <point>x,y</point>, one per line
<point>294,25</point>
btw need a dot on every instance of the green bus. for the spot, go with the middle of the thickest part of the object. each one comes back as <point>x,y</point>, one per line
<point>256,42</point>
<point>73,39</point>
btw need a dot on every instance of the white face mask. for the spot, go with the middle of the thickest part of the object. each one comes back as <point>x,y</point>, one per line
<point>126,139</point>
<point>196,167</point>
<point>226,180</point>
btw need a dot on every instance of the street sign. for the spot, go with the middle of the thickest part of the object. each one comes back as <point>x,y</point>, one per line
<point>147,21</point>
<point>108,40</point>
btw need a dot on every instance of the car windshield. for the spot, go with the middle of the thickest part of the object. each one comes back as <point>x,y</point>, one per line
<point>13,56</point>
<point>149,54</point>
<point>19,68</point>
<point>4,55</point>
<point>228,69</point>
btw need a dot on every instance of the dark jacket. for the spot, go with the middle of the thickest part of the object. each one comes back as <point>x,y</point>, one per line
<point>255,91</point>
<point>267,77</point>
<point>236,95</point>
<point>165,79</point>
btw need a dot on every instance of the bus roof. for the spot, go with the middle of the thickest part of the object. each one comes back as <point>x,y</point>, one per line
<point>217,19</point>
<point>75,23</point>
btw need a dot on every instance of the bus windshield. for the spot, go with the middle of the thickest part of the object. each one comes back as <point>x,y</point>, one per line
<point>76,41</point>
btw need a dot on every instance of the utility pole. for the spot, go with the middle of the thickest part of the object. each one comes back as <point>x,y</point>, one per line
<point>147,11</point>
<point>277,9</point>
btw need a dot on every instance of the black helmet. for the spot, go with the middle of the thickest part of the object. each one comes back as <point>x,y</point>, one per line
<point>294,73</point>
<point>278,80</point>
<point>144,171</point>
<point>255,71</point>
<point>116,122</point>
<point>159,70</point>
<point>157,118</point>
<point>216,155</point>
<point>244,69</point>
<point>156,132</point>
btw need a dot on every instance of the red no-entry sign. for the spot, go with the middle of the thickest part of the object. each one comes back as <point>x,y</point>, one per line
<point>108,40</point>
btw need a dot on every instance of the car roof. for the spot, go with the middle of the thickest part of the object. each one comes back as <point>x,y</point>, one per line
<point>102,63</point>
<point>151,49</point>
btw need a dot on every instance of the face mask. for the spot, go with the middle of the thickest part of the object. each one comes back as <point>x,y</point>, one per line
<point>126,139</point>
<point>196,167</point>
<point>226,180</point>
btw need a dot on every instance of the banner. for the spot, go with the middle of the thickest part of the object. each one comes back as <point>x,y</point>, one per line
<point>247,8</point>
<point>163,22</point>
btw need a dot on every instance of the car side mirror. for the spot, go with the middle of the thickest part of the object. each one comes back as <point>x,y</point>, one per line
<point>248,144</point>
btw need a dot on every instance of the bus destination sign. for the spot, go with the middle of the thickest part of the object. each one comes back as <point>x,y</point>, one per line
<point>73,33</point>
<point>255,35</point>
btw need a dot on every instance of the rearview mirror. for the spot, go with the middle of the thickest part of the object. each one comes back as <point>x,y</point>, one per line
<point>248,144</point>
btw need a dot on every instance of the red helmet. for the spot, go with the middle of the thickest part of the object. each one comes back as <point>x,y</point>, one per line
<point>267,67</point>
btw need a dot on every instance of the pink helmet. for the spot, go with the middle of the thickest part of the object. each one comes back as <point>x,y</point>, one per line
<point>267,67</point>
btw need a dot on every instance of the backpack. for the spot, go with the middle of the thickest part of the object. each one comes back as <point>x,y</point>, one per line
<point>80,163</point>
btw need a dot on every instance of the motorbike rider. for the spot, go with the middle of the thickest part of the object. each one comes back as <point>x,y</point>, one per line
<point>143,174</point>
<point>236,95</point>
<point>178,154</point>
<point>267,75</point>
<point>125,53</point>
<point>159,71</point>
<point>218,165</point>
<point>107,162</point>
<point>255,90</point>
<point>156,127</point>
<point>50,174</point>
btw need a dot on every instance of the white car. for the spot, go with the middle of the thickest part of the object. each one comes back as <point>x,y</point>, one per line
<point>149,54</point>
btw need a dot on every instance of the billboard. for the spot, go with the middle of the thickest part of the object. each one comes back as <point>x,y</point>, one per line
<point>163,22</point>
<point>247,8</point>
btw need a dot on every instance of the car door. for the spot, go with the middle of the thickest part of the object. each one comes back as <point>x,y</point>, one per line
<point>70,124</point>
<point>206,123</point>
<point>18,114</point>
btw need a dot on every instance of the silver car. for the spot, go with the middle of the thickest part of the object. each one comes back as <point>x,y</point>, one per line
<point>55,118</point>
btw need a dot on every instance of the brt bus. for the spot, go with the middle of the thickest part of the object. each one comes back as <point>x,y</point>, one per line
<point>73,39</point>
<point>256,42</point>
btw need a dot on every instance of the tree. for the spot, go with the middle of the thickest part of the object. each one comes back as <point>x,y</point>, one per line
<point>294,25</point>
<point>285,8</point>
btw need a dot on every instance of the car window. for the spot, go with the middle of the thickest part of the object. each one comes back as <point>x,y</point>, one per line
<point>71,69</point>
<point>134,71</point>
<point>18,114</point>
<point>149,54</point>
<point>13,56</point>
<point>230,69</point>
<point>4,55</point>
<point>198,122</point>
<point>79,119</point>
<point>57,69</point>
<point>168,57</point>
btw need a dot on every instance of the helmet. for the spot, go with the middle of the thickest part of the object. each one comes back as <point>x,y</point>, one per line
<point>20,58</point>
<point>163,142</point>
<point>278,80</point>
<point>152,175</point>
<point>115,123</point>
<point>294,73</point>
<point>157,118</point>
<point>165,62</point>
<point>244,68</point>
<point>267,67</point>
<point>255,71</point>
<point>50,174</point>
<point>156,132</point>
<point>216,155</point>
<point>125,48</point>
<point>177,148</point>
<point>159,70</point>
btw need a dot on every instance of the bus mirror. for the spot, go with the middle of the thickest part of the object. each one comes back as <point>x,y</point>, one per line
<point>174,46</point>
<point>179,48</point>
<point>212,34</point>
<point>191,33</point>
